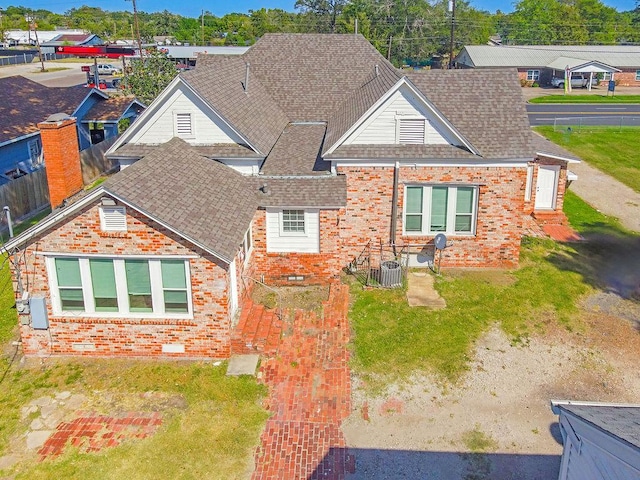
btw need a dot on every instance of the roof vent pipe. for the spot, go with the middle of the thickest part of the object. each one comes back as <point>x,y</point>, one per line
<point>265,189</point>
<point>246,79</point>
<point>377,70</point>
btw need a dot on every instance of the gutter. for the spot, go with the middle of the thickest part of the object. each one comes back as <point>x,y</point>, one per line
<point>394,205</point>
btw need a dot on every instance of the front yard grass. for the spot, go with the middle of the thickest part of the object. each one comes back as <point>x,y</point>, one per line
<point>210,427</point>
<point>392,340</point>
<point>610,149</point>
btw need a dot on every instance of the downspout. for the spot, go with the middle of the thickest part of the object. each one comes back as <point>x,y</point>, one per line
<point>394,207</point>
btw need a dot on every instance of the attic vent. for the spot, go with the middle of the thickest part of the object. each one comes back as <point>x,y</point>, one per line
<point>411,130</point>
<point>184,126</point>
<point>113,219</point>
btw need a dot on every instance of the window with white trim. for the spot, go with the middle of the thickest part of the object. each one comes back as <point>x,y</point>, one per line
<point>293,222</point>
<point>183,124</point>
<point>120,287</point>
<point>637,75</point>
<point>433,209</point>
<point>606,76</point>
<point>411,130</point>
<point>113,219</point>
<point>247,244</point>
<point>533,75</point>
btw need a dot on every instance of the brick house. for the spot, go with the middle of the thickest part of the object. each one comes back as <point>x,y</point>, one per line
<point>280,164</point>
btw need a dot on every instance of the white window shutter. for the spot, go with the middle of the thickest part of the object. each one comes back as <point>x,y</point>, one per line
<point>113,219</point>
<point>411,130</point>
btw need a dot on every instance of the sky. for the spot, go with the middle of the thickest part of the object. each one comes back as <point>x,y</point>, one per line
<point>221,7</point>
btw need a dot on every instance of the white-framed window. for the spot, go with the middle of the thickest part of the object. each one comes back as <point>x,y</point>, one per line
<point>35,151</point>
<point>637,75</point>
<point>410,130</point>
<point>113,219</point>
<point>432,209</point>
<point>120,287</point>
<point>606,76</point>
<point>292,223</point>
<point>183,124</point>
<point>533,75</point>
<point>247,245</point>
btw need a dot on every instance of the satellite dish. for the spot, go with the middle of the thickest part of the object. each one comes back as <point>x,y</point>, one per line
<point>440,241</point>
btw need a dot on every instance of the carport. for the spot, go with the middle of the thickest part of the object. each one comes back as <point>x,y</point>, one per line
<point>570,66</point>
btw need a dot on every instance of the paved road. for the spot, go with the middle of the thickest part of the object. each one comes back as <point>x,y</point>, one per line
<point>71,75</point>
<point>590,114</point>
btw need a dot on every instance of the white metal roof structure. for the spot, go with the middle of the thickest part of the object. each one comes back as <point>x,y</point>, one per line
<point>487,56</point>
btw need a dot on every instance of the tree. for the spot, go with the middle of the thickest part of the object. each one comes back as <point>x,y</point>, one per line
<point>148,77</point>
<point>326,12</point>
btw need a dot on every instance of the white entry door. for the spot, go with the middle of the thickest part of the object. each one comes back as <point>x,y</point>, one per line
<point>233,287</point>
<point>547,187</point>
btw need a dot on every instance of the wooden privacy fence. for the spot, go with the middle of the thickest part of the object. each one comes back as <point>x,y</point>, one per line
<point>25,195</point>
<point>94,163</point>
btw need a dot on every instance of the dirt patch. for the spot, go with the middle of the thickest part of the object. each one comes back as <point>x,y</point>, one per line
<point>497,423</point>
<point>308,298</point>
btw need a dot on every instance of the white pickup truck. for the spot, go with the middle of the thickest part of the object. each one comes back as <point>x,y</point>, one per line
<point>577,81</point>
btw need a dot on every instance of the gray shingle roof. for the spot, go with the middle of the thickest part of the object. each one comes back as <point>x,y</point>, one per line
<point>297,152</point>
<point>329,191</point>
<point>620,421</point>
<point>221,150</point>
<point>543,55</point>
<point>209,203</point>
<point>440,152</point>
<point>219,80</point>
<point>110,109</point>
<point>542,146</point>
<point>310,75</point>
<point>485,106</point>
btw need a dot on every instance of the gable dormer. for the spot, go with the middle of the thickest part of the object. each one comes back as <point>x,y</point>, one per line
<point>401,119</point>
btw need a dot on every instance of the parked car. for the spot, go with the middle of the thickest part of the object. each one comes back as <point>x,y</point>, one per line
<point>577,81</point>
<point>107,69</point>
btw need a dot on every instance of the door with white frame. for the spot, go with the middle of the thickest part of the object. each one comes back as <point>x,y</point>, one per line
<point>547,187</point>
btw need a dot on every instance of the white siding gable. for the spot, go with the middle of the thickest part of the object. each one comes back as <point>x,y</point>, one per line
<point>184,115</point>
<point>280,241</point>
<point>383,125</point>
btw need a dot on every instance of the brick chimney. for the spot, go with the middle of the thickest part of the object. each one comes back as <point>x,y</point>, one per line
<point>61,157</point>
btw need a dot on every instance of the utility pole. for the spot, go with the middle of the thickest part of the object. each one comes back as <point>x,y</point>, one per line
<point>356,26</point>
<point>202,27</point>
<point>137,25</point>
<point>31,21</point>
<point>452,9</point>
<point>389,49</point>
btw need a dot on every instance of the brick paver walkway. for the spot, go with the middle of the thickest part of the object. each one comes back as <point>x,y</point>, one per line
<point>91,433</point>
<point>309,397</point>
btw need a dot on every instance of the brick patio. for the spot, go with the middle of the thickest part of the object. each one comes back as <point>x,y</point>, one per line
<point>309,397</point>
<point>92,433</point>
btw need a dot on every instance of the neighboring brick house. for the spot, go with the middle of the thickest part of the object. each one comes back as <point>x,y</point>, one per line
<point>281,165</point>
<point>540,63</point>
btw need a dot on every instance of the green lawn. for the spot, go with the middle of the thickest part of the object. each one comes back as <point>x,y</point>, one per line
<point>586,99</point>
<point>610,149</point>
<point>392,340</point>
<point>211,433</point>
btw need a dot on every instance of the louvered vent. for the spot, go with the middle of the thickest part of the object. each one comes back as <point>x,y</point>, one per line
<point>183,124</point>
<point>113,219</point>
<point>411,131</point>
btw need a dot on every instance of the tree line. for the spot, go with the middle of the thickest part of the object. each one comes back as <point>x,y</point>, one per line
<point>407,31</point>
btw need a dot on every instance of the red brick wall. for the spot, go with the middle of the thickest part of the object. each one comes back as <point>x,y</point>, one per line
<point>206,335</point>
<point>500,210</point>
<point>562,183</point>
<point>316,268</point>
<point>62,159</point>
<point>627,77</point>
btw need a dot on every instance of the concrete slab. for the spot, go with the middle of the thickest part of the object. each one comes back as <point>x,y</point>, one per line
<point>37,438</point>
<point>243,364</point>
<point>421,292</point>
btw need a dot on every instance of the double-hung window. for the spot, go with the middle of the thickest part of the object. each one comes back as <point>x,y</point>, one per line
<point>432,209</point>
<point>293,222</point>
<point>637,75</point>
<point>120,287</point>
<point>533,75</point>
